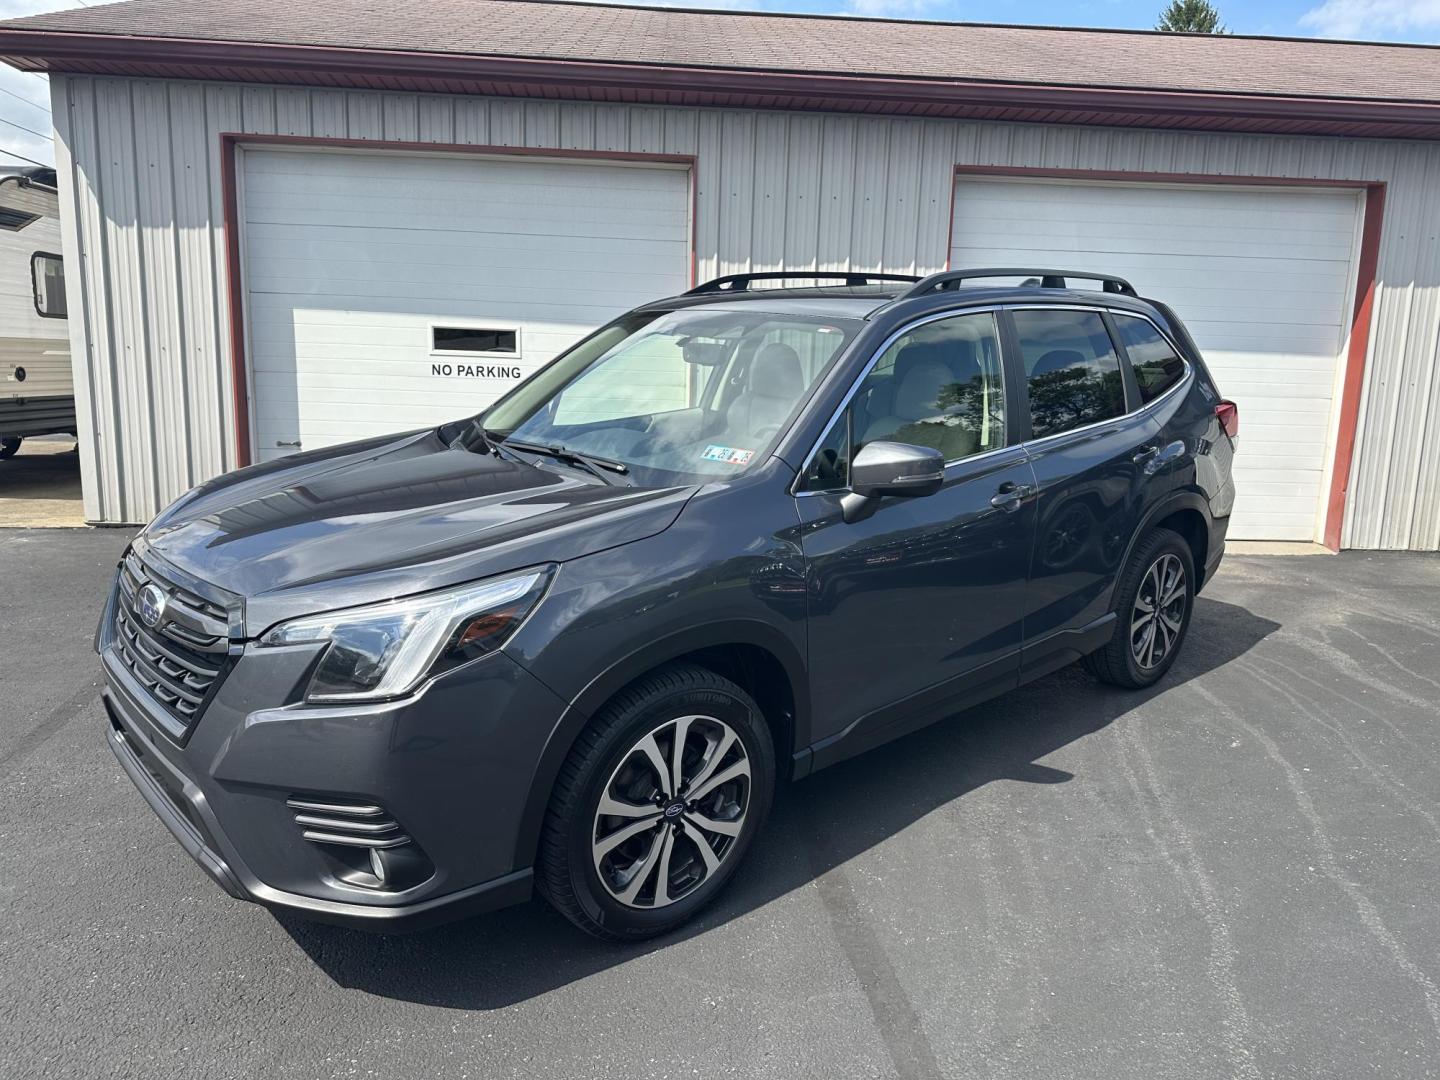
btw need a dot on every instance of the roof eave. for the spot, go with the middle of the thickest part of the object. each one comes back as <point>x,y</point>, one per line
<point>670,84</point>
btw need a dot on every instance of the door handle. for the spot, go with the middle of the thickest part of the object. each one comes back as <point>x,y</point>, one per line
<point>1145,453</point>
<point>1010,496</point>
<point>282,442</point>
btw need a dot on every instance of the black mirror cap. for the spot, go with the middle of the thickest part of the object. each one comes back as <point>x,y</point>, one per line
<point>895,468</point>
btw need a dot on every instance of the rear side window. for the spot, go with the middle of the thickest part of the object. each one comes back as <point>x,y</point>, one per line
<point>1156,365</point>
<point>1071,370</point>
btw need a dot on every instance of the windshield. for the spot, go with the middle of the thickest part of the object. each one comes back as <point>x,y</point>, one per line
<point>675,397</point>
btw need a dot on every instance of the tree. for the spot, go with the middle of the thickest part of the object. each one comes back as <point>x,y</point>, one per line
<point>1191,17</point>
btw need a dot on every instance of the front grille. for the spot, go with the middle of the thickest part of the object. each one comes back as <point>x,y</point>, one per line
<point>179,659</point>
<point>189,618</point>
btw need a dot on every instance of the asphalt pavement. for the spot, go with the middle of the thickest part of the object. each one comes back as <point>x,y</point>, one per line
<point>40,486</point>
<point>1231,875</point>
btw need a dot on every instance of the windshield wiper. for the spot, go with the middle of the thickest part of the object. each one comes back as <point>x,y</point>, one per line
<point>595,466</point>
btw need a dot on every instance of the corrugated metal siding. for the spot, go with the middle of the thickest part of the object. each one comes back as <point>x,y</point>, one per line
<point>141,175</point>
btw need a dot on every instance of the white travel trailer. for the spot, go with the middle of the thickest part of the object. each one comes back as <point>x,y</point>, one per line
<point>37,396</point>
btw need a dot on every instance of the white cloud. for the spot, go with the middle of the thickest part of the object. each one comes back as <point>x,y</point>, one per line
<point>14,9</point>
<point>876,9</point>
<point>18,115</point>
<point>894,9</point>
<point>718,5</point>
<point>32,89</point>
<point>1374,18</point>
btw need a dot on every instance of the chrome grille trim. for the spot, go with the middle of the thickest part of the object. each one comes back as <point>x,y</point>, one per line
<point>180,661</point>
<point>355,841</point>
<point>364,828</point>
<point>333,821</point>
<point>180,685</point>
<point>355,809</point>
<point>189,620</point>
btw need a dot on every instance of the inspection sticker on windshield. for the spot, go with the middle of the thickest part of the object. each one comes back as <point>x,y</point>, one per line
<point>728,454</point>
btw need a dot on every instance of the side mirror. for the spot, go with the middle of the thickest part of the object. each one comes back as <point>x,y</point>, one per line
<point>891,468</point>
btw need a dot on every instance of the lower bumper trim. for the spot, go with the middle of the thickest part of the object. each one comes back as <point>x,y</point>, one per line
<point>515,888</point>
<point>149,777</point>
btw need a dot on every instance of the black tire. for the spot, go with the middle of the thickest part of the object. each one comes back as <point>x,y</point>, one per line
<point>1116,662</point>
<point>566,871</point>
<point>9,448</point>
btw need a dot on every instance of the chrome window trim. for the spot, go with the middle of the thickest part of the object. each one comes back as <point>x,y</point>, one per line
<point>1044,440</point>
<point>1184,381</point>
<point>1189,368</point>
<point>950,313</point>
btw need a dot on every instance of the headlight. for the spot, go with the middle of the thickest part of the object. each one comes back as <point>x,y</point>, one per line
<point>385,650</point>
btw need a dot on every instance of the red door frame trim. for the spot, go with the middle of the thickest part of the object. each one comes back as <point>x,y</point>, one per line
<point>231,142</point>
<point>1353,382</point>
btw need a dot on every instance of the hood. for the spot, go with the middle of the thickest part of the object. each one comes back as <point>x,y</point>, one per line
<point>388,517</point>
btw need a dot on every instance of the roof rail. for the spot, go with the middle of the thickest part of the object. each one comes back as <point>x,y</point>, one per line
<point>1049,279</point>
<point>741,282</point>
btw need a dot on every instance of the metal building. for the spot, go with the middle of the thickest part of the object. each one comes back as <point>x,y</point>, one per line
<point>293,225</point>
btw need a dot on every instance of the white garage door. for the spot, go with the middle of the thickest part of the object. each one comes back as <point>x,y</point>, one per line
<point>1263,278</point>
<point>395,291</point>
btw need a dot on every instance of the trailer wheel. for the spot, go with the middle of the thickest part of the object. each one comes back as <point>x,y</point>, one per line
<point>9,448</point>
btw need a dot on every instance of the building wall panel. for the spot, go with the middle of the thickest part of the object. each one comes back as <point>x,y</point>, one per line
<point>150,344</point>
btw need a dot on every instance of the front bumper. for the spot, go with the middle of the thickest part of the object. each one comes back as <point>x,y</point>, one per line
<point>453,765</point>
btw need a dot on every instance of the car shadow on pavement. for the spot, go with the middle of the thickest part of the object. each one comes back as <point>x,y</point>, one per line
<point>497,960</point>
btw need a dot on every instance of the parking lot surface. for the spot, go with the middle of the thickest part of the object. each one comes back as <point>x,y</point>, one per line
<point>40,486</point>
<point>1231,875</point>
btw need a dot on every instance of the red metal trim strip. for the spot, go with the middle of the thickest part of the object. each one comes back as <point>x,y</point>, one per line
<point>1367,269</point>
<point>172,57</point>
<point>234,289</point>
<point>1354,382</point>
<point>231,141</point>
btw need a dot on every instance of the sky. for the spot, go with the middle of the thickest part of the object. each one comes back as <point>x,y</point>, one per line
<point>25,98</point>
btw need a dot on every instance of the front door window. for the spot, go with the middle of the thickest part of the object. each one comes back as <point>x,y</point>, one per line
<point>938,385</point>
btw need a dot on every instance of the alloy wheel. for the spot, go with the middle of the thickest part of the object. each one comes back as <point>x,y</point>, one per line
<point>1159,613</point>
<point>671,812</point>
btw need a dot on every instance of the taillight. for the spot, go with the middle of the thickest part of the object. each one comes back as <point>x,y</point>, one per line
<point>1229,417</point>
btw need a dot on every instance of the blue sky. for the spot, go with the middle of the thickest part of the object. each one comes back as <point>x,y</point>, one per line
<point>24,99</point>
<point>1379,20</point>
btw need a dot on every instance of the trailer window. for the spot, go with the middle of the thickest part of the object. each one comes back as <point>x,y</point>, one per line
<point>47,278</point>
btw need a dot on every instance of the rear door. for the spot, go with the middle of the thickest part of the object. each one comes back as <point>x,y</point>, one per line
<point>1089,450</point>
<point>920,604</point>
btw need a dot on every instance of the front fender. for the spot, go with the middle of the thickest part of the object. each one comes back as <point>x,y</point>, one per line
<point>625,671</point>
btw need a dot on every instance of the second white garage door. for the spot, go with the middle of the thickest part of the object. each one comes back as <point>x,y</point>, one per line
<point>395,291</point>
<point>1263,278</point>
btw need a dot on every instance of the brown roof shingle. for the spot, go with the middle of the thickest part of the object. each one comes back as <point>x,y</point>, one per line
<point>870,48</point>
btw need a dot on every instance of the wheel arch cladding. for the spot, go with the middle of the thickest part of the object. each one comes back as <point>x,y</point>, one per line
<point>1184,512</point>
<point>1190,523</point>
<point>753,655</point>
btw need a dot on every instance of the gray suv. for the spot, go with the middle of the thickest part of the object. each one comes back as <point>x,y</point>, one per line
<point>573,643</point>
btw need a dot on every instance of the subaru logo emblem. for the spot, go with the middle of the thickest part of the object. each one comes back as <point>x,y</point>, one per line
<point>150,604</point>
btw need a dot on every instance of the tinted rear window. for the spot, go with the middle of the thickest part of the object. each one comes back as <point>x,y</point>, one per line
<point>1157,367</point>
<point>1071,370</point>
